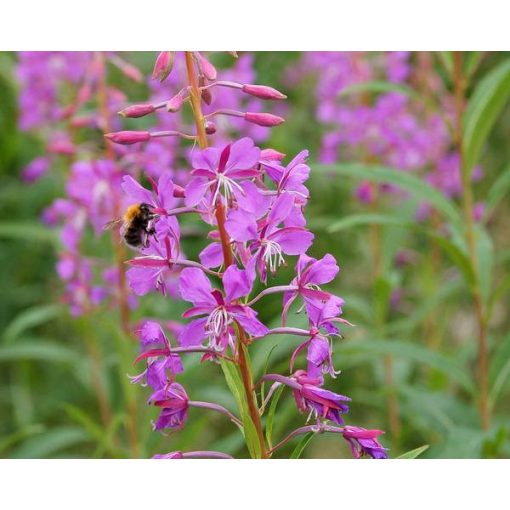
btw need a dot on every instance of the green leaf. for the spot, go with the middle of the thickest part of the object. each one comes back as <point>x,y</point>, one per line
<point>30,318</point>
<point>48,443</point>
<point>235,384</point>
<point>82,418</point>
<point>446,58</point>
<point>483,109</point>
<point>456,253</point>
<point>38,351</point>
<point>473,59</point>
<point>298,451</point>
<point>378,87</point>
<point>499,189</point>
<point>19,435</point>
<point>356,220</point>
<point>270,414</point>
<point>411,351</point>
<point>28,232</point>
<point>251,436</point>
<point>412,454</point>
<point>499,369</point>
<point>485,261</point>
<point>499,292</point>
<point>405,181</point>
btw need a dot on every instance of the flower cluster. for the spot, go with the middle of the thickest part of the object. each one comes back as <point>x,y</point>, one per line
<point>253,204</point>
<point>390,127</point>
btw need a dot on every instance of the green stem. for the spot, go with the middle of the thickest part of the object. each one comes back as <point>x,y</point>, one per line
<point>459,84</point>
<point>241,355</point>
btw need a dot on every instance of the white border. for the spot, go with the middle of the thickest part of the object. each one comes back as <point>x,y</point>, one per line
<point>255,25</point>
<point>261,485</point>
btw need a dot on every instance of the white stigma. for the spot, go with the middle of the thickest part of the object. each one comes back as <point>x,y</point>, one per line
<point>272,255</point>
<point>227,185</point>
<point>218,322</point>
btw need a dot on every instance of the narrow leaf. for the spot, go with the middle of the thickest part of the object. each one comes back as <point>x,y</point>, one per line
<point>298,451</point>
<point>484,107</point>
<point>412,454</point>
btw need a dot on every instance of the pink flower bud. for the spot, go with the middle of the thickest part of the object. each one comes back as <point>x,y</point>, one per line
<point>131,71</point>
<point>263,119</point>
<point>210,127</point>
<point>61,146</point>
<point>263,92</point>
<point>128,137</point>
<point>175,103</point>
<point>271,155</point>
<point>137,110</point>
<point>206,67</point>
<point>206,93</point>
<point>163,66</point>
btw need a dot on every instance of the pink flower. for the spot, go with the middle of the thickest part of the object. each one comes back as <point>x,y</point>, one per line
<point>222,310</point>
<point>220,170</point>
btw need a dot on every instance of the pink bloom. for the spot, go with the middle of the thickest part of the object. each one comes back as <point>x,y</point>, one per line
<point>222,310</point>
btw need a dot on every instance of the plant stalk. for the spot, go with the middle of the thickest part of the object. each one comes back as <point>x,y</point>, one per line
<point>459,84</point>
<point>241,358</point>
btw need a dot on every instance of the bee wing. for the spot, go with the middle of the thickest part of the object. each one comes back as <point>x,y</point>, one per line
<point>112,224</point>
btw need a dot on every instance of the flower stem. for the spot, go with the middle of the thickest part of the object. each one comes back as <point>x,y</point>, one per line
<point>459,84</point>
<point>120,254</point>
<point>242,359</point>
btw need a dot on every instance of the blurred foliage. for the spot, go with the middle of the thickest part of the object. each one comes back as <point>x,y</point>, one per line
<point>53,364</point>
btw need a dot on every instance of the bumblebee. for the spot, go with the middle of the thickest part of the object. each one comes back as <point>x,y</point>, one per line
<point>137,225</point>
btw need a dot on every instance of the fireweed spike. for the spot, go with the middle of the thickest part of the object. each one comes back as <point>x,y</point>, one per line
<point>253,205</point>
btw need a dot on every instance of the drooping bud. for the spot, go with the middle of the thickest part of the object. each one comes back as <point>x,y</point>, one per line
<point>128,137</point>
<point>263,119</point>
<point>206,93</point>
<point>233,53</point>
<point>176,102</point>
<point>210,127</point>
<point>271,155</point>
<point>263,92</point>
<point>163,66</point>
<point>137,110</point>
<point>208,70</point>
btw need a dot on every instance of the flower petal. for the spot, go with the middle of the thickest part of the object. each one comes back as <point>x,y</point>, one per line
<point>293,240</point>
<point>195,287</point>
<point>138,193</point>
<point>193,333</point>
<point>236,283</point>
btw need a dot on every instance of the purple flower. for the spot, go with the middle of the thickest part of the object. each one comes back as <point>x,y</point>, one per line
<point>170,455</point>
<point>36,169</point>
<point>221,170</point>
<point>364,442</point>
<point>162,365</point>
<point>318,402</point>
<point>155,269</point>
<point>173,401</point>
<point>222,310</point>
<point>310,274</point>
<point>269,241</point>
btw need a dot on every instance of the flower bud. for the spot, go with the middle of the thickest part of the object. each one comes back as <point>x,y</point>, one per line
<point>271,155</point>
<point>210,127</point>
<point>128,137</point>
<point>263,92</point>
<point>208,70</point>
<point>206,93</point>
<point>175,103</point>
<point>263,119</point>
<point>137,110</point>
<point>163,66</point>
<point>61,146</point>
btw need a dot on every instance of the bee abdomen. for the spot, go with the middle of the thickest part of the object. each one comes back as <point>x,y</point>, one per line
<point>133,237</point>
